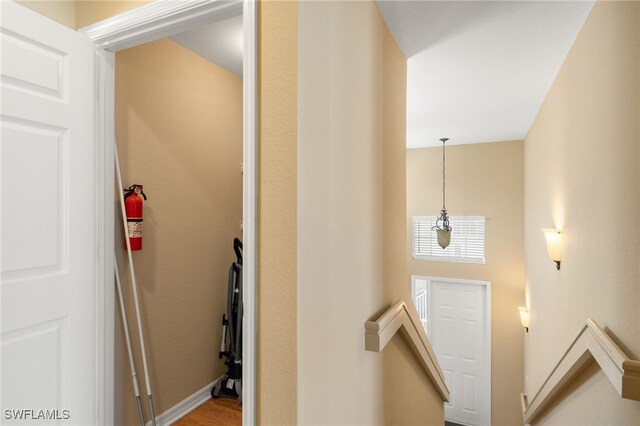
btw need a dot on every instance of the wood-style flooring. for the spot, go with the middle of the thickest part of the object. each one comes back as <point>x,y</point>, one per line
<point>214,412</point>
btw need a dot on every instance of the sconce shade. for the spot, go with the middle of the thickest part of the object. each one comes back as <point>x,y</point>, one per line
<point>524,317</point>
<point>554,244</point>
<point>444,237</point>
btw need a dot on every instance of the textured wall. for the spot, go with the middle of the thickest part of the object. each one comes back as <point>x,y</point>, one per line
<point>482,180</point>
<point>351,213</point>
<point>179,131</point>
<point>79,14</point>
<point>91,11</point>
<point>410,398</point>
<point>62,11</point>
<point>277,231</point>
<point>582,175</point>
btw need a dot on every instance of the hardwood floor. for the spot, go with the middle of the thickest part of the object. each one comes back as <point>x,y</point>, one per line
<point>214,412</point>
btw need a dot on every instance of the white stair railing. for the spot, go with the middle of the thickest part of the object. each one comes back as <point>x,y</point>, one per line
<point>380,331</point>
<point>591,342</point>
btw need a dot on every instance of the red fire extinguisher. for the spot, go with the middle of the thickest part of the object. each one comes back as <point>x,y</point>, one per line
<point>133,207</point>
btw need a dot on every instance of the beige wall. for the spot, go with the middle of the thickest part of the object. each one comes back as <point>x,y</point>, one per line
<point>62,11</point>
<point>277,232</point>
<point>410,398</point>
<point>582,175</point>
<point>179,131</point>
<point>351,212</point>
<point>92,11</point>
<point>484,179</point>
<point>79,14</point>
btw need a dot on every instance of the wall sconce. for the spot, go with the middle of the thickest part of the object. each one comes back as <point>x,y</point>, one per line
<point>554,245</point>
<point>524,318</point>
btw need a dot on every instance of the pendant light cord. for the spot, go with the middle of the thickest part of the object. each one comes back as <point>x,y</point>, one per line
<point>443,176</point>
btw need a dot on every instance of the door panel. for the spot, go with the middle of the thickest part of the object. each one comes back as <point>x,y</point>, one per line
<point>469,393</point>
<point>48,219</point>
<point>35,66</point>
<point>35,151</point>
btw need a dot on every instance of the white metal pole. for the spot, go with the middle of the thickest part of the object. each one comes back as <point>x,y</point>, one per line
<point>125,325</point>
<point>135,286</point>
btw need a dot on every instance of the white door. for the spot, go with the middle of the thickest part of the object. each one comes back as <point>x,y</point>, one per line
<point>48,222</point>
<point>458,317</point>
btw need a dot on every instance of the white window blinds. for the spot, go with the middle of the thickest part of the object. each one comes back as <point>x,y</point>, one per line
<point>467,239</point>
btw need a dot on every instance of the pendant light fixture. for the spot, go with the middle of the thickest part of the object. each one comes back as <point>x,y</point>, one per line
<point>442,227</point>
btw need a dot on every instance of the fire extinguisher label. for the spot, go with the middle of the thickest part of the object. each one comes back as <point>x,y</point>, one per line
<point>135,229</point>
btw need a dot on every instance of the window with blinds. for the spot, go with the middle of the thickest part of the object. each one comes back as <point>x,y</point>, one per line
<point>467,239</point>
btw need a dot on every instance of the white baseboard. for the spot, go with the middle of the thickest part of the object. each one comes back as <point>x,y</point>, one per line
<point>182,408</point>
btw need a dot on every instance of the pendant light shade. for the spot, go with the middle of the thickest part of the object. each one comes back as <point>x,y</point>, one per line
<point>442,227</point>
<point>444,237</point>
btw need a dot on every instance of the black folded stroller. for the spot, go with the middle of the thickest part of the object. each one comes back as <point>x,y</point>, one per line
<point>230,384</point>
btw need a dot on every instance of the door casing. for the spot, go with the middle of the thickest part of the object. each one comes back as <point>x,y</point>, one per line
<point>141,25</point>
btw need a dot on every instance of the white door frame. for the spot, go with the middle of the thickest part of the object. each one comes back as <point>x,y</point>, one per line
<point>487,290</point>
<point>150,22</point>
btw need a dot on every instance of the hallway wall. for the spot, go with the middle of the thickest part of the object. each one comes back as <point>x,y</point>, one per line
<point>582,175</point>
<point>277,213</point>
<point>485,179</point>
<point>80,13</point>
<point>351,210</point>
<point>91,11</point>
<point>61,11</point>
<point>179,133</point>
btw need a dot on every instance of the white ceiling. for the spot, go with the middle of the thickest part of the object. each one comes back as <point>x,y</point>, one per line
<point>220,43</point>
<point>478,71</point>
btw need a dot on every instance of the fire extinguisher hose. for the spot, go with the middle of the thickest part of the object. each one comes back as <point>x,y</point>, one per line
<point>135,288</point>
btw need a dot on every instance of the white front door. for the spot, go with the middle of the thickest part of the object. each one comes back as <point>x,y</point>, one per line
<point>459,330</point>
<point>48,259</point>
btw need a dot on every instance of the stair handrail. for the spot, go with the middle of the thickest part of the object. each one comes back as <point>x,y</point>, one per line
<point>380,331</point>
<point>591,342</point>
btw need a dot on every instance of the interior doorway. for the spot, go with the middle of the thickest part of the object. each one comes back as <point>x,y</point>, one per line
<point>146,24</point>
<point>178,104</point>
<point>457,318</point>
